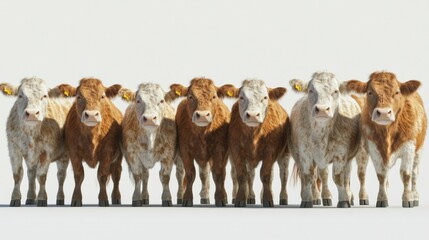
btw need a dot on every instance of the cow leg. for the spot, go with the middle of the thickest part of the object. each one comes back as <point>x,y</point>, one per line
<point>145,180</point>
<point>164,175</point>
<point>115,171</point>
<point>251,199</point>
<point>79,175</point>
<point>219,174</point>
<point>137,195</point>
<point>31,174</point>
<point>62,165</point>
<point>242,179</point>
<point>188,163</point>
<point>284,174</point>
<point>234,182</point>
<point>326,193</point>
<point>42,170</point>
<point>315,188</point>
<point>415,174</point>
<point>339,175</point>
<point>266,178</point>
<point>16,162</point>
<point>205,183</point>
<point>362,162</point>
<point>180,175</point>
<point>407,162</point>
<point>102,175</point>
<point>307,181</point>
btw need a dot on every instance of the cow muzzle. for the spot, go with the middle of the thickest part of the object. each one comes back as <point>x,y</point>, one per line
<point>252,118</point>
<point>202,118</point>
<point>383,116</point>
<point>91,118</point>
<point>32,116</point>
<point>149,121</point>
<point>322,112</point>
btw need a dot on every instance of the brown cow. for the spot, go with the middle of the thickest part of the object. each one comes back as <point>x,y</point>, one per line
<point>257,132</point>
<point>394,124</point>
<point>202,127</point>
<point>93,133</point>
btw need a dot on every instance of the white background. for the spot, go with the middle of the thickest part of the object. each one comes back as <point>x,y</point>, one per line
<point>130,42</point>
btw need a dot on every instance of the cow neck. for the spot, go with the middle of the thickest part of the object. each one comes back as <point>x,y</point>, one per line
<point>32,131</point>
<point>92,134</point>
<point>150,135</point>
<point>323,128</point>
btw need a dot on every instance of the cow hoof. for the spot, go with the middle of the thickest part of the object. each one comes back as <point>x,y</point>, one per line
<point>137,203</point>
<point>327,202</point>
<point>352,202</point>
<point>269,203</point>
<point>233,201</point>
<point>221,203</point>
<point>239,203</point>
<point>343,204</point>
<point>179,201</point>
<point>116,201</point>
<point>363,202</point>
<point>60,202</point>
<point>15,203</point>
<point>416,203</point>
<point>30,202</point>
<point>251,201</point>
<point>283,202</point>
<point>76,203</point>
<point>306,204</point>
<point>384,203</point>
<point>167,203</point>
<point>407,204</point>
<point>205,201</point>
<point>317,202</point>
<point>187,203</point>
<point>145,201</point>
<point>103,203</point>
<point>42,203</point>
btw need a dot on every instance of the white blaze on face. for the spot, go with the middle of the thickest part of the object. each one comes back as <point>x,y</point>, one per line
<point>253,102</point>
<point>150,105</point>
<point>32,101</point>
<point>323,96</point>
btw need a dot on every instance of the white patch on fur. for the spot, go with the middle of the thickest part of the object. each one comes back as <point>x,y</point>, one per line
<point>251,99</point>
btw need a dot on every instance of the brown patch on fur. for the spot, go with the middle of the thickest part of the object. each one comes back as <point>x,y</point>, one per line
<point>42,159</point>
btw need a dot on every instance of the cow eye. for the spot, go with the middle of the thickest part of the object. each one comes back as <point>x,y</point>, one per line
<point>397,92</point>
<point>190,97</point>
<point>242,98</point>
<point>214,97</point>
<point>44,96</point>
<point>138,101</point>
<point>20,96</point>
<point>336,91</point>
<point>102,97</point>
<point>265,98</point>
<point>310,91</point>
<point>370,93</point>
<point>162,101</point>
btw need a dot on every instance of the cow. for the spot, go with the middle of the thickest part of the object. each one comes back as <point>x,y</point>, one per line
<point>325,129</point>
<point>257,133</point>
<point>92,134</point>
<point>202,121</point>
<point>394,124</point>
<point>35,133</point>
<point>149,136</point>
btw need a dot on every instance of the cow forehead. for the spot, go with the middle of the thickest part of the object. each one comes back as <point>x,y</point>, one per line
<point>91,87</point>
<point>31,86</point>
<point>324,81</point>
<point>253,88</point>
<point>151,91</point>
<point>383,82</point>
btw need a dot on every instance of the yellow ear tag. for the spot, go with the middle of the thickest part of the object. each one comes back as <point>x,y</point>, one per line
<point>298,87</point>
<point>229,93</point>
<point>7,91</point>
<point>178,92</point>
<point>126,97</point>
<point>66,93</point>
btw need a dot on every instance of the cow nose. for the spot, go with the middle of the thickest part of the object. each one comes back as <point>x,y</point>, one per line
<point>253,116</point>
<point>91,116</point>
<point>149,119</point>
<point>32,115</point>
<point>203,114</point>
<point>383,115</point>
<point>319,108</point>
<point>202,118</point>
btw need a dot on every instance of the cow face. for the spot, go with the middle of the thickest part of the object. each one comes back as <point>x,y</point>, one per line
<point>32,99</point>
<point>323,92</point>
<point>385,95</point>
<point>91,99</point>
<point>150,102</point>
<point>202,99</point>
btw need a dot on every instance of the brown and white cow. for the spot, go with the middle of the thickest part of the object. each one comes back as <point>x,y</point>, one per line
<point>202,126</point>
<point>92,134</point>
<point>257,132</point>
<point>394,124</point>
<point>325,129</point>
<point>149,136</point>
<point>35,133</point>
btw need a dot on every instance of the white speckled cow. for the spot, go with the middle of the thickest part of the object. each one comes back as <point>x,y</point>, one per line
<point>35,133</point>
<point>325,128</point>
<point>149,136</point>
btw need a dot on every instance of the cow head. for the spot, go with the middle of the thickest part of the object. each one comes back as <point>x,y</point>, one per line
<point>202,99</point>
<point>32,99</point>
<point>384,95</point>
<point>323,92</point>
<point>150,102</point>
<point>91,98</point>
<point>254,97</point>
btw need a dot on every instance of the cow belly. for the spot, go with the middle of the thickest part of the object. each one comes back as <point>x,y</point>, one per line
<point>407,149</point>
<point>148,160</point>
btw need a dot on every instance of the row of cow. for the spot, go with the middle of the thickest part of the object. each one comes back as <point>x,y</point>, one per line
<point>332,123</point>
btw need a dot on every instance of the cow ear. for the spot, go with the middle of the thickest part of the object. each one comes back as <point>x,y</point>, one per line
<point>8,90</point>
<point>228,90</point>
<point>127,95</point>
<point>410,87</point>
<point>276,93</point>
<point>113,90</point>
<point>63,90</point>
<point>176,91</point>
<point>355,86</point>
<point>298,85</point>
